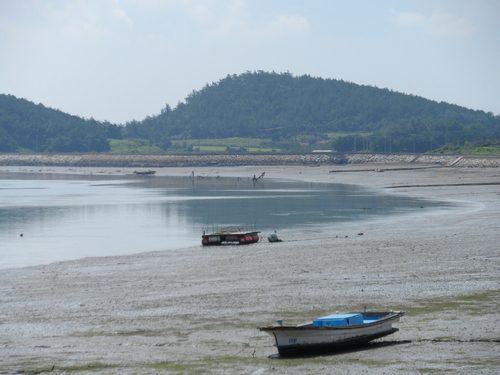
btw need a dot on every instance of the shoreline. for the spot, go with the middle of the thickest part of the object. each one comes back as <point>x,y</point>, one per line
<point>109,160</point>
<point>197,309</point>
<point>284,233</point>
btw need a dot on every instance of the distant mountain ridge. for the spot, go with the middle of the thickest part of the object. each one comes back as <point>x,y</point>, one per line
<point>29,127</point>
<point>281,106</point>
<point>252,103</point>
<point>261,104</point>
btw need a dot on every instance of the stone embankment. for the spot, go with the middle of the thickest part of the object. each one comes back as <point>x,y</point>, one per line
<point>231,160</point>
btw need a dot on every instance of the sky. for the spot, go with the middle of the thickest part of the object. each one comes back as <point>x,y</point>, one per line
<point>124,60</point>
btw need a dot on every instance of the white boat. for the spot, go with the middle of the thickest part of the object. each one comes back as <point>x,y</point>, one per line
<point>332,332</point>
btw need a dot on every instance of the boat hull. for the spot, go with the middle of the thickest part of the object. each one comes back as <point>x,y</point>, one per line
<point>309,339</point>
<point>229,238</point>
<point>144,173</point>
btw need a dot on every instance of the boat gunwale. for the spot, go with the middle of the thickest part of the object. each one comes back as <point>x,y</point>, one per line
<point>389,315</point>
<point>220,234</point>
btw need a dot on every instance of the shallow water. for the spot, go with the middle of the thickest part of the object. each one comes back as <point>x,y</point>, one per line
<point>63,217</point>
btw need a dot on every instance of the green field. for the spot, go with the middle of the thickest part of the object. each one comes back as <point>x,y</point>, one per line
<point>223,145</point>
<point>470,151</point>
<point>222,142</point>
<point>232,149</point>
<point>337,135</point>
<point>136,146</point>
<point>230,145</point>
<point>471,148</point>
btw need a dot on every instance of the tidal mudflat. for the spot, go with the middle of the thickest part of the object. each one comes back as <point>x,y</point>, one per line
<point>196,310</point>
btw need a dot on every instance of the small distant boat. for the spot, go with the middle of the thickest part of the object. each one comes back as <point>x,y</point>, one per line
<point>332,332</point>
<point>142,173</point>
<point>230,236</point>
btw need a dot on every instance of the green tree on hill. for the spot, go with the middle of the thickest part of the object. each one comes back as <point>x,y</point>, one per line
<point>264,105</point>
<point>34,127</point>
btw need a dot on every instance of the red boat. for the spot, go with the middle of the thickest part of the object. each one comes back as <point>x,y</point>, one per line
<point>230,237</point>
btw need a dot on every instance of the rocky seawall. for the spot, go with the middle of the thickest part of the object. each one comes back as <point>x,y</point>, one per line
<point>231,160</point>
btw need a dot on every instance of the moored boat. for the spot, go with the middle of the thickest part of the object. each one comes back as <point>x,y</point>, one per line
<point>230,236</point>
<point>332,332</point>
<point>144,173</point>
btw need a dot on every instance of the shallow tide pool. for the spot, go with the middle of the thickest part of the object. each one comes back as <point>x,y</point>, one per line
<point>46,218</point>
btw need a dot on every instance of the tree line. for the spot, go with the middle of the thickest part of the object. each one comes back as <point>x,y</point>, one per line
<point>275,106</point>
<point>29,127</point>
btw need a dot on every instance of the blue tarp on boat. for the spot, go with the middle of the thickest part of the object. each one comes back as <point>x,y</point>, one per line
<point>338,320</point>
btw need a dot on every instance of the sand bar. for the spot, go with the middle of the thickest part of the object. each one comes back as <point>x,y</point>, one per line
<point>196,310</point>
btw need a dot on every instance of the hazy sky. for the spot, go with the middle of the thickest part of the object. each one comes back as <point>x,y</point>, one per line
<point>120,60</point>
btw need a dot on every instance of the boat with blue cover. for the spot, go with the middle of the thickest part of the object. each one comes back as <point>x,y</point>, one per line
<point>336,331</point>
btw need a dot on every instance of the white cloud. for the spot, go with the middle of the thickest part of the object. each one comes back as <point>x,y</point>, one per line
<point>73,20</point>
<point>437,23</point>
<point>408,19</point>
<point>200,12</point>
<point>447,24</point>
<point>237,22</point>
<point>120,14</point>
<point>233,22</point>
<point>283,25</point>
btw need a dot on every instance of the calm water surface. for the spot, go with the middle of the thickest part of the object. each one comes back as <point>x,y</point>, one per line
<point>65,217</point>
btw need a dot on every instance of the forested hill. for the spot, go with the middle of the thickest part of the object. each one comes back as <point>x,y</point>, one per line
<point>255,104</point>
<point>275,106</point>
<point>25,126</point>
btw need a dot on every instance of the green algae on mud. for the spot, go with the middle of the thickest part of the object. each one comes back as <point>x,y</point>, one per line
<point>473,304</point>
<point>90,367</point>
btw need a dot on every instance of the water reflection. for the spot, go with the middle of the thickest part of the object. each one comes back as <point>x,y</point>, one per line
<point>70,216</point>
